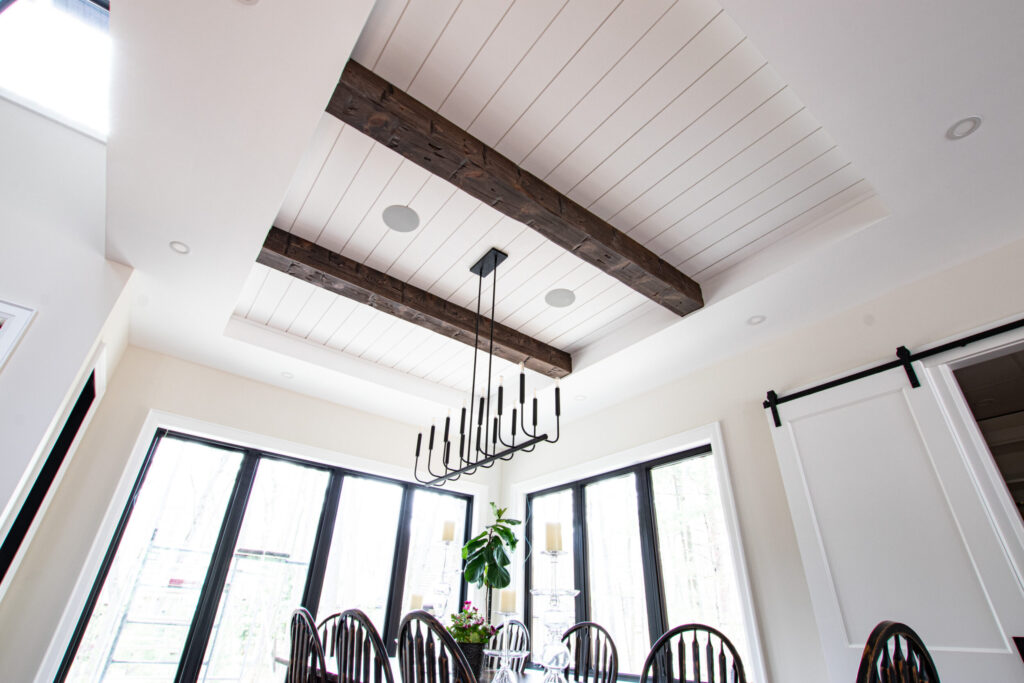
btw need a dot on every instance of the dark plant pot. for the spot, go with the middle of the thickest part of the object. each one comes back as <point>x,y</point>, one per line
<point>475,654</point>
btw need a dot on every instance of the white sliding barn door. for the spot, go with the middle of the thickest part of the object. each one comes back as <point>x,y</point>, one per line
<point>891,525</point>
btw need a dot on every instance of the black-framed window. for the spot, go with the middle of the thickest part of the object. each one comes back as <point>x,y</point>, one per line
<point>648,548</point>
<point>219,543</point>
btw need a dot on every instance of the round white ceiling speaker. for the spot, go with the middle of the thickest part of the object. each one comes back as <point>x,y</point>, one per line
<point>401,218</point>
<point>179,247</point>
<point>560,298</point>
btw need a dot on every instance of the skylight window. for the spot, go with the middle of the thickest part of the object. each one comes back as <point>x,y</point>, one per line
<point>55,58</point>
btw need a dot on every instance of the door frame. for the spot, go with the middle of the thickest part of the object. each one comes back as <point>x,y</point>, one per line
<point>985,475</point>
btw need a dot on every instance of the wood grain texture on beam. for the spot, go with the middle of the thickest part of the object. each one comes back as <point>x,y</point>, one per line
<point>390,116</point>
<point>346,277</point>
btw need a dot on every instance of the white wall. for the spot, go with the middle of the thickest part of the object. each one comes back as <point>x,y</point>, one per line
<point>147,381</point>
<point>972,295</point>
<point>52,213</point>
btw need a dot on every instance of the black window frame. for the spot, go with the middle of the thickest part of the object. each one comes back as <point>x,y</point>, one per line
<point>211,593</point>
<point>654,587</point>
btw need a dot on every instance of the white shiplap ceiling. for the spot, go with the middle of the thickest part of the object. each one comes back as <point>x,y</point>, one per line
<point>660,117</point>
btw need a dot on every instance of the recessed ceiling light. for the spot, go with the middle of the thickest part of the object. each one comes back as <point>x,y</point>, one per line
<point>401,218</point>
<point>560,298</point>
<point>248,2</point>
<point>756,319</point>
<point>287,375</point>
<point>179,247</point>
<point>963,128</point>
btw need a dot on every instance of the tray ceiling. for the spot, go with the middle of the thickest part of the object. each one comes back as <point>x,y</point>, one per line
<point>660,117</point>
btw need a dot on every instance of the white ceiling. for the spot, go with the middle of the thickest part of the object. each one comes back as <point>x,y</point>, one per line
<point>660,117</point>
<point>217,106</point>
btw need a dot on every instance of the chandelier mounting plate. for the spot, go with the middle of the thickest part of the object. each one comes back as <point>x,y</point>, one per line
<point>488,262</point>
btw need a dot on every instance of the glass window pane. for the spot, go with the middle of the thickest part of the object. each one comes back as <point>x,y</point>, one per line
<point>267,574</point>
<point>696,559</point>
<point>56,55</point>
<point>138,628</point>
<point>434,572</point>
<point>362,550</point>
<point>551,508</point>
<point>615,568</point>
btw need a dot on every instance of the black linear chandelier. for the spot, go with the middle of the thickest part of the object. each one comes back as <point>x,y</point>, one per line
<point>489,443</point>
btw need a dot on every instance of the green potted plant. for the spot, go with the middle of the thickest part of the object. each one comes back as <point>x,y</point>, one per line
<point>471,631</point>
<point>488,555</point>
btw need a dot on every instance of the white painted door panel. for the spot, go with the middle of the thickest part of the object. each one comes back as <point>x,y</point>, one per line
<point>891,525</point>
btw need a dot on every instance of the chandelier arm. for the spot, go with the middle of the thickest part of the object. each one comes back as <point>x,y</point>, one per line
<point>558,429</point>
<point>451,476</point>
<point>522,424</point>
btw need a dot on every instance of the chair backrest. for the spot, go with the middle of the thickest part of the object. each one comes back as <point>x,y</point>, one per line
<point>895,654</point>
<point>693,653</point>
<point>328,630</point>
<point>427,653</point>
<point>513,634</point>
<point>306,663</point>
<point>359,650</point>
<point>593,656</point>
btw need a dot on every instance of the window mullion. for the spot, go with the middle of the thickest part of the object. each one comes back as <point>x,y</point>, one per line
<point>398,567</point>
<point>653,588</point>
<point>580,550</point>
<point>467,531</point>
<point>216,575</point>
<point>322,544</point>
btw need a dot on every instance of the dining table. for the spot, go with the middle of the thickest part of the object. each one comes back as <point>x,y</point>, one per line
<point>529,675</point>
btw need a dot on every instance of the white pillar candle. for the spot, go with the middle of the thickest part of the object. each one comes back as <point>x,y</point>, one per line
<point>448,533</point>
<point>554,537</point>
<point>508,601</point>
<point>415,601</point>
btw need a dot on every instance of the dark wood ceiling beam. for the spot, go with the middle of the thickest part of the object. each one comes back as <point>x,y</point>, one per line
<point>324,268</point>
<point>390,116</point>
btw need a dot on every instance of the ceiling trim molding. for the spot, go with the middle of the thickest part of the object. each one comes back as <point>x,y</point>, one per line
<point>346,277</point>
<point>393,118</point>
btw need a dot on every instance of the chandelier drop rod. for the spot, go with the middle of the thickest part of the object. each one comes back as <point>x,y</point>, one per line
<point>490,444</point>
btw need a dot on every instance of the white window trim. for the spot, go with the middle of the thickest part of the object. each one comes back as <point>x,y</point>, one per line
<point>157,419</point>
<point>708,435</point>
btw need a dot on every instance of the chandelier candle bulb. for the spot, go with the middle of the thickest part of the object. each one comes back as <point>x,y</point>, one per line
<point>508,601</point>
<point>448,531</point>
<point>553,537</point>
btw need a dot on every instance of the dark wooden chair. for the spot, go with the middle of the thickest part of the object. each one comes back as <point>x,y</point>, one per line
<point>896,654</point>
<point>516,636</point>
<point>427,653</point>
<point>693,653</point>
<point>358,649</point>
<point>306,662</point>
<point>593,657</point>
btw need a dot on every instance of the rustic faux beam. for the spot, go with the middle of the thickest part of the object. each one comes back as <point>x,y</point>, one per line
<point>324,268</point>
<point>390,116</point>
